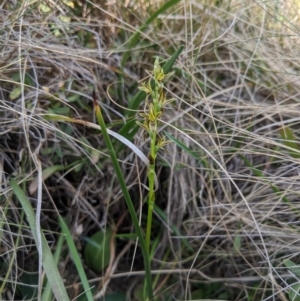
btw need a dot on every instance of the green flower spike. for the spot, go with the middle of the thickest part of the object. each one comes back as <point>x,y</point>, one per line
<point>153,111</point>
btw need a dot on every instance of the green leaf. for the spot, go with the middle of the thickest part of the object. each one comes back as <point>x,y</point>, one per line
<point>65,19</point>
<point>289,140</point>
<point>28,80</point>
<point>237,241</point>
<point>44,8</point>
<point>15,93</point>
<point>73,98</point>
<point>97,250</point>
<point>295,269</point>
<point>62,110</point>
<point>294,292</point>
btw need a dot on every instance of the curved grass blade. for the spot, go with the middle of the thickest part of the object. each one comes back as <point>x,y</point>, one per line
<point>49,265</point>
<point>135,38</point>
<point>76,259</point>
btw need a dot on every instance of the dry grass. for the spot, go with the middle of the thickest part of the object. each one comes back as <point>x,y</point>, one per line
<point>236,85</point>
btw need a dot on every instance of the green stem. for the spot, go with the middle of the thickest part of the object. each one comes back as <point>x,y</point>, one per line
<point>153,147</point>
<point>151,179</point>
<point>127,198</point>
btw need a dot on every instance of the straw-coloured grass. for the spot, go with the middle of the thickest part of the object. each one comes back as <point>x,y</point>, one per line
<point>226,214</point>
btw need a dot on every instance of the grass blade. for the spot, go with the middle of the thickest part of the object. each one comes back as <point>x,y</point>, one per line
<point>135,38</point>
<point>49,265</point>
<point>76,259</point>
<point>47,293</point>
<point>294,268</point>
<point>164,217</point>
<point>290,141</point>
<point>187,149</point>
<point>127,197</point>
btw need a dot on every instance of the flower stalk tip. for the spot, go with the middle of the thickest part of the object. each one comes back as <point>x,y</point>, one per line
<point>155,103</point>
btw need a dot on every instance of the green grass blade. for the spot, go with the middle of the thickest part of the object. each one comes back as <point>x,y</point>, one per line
<point>135,38</point>
<point>290,141</point>
<point>47,293</point>
<point>126,195</point>
<point>128,131</point>
<point>294,268</point>
<point>135,102</point>
<point>170,62</point>
<point>173,227</point>
<point>76,259</point>
<point>294,292</point>
<point>294,288</point>
<point>260,174</point>
<point>187,149</point>
<point>49,265</point>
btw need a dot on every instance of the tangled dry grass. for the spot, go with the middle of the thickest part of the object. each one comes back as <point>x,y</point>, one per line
<point>232,192</point>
